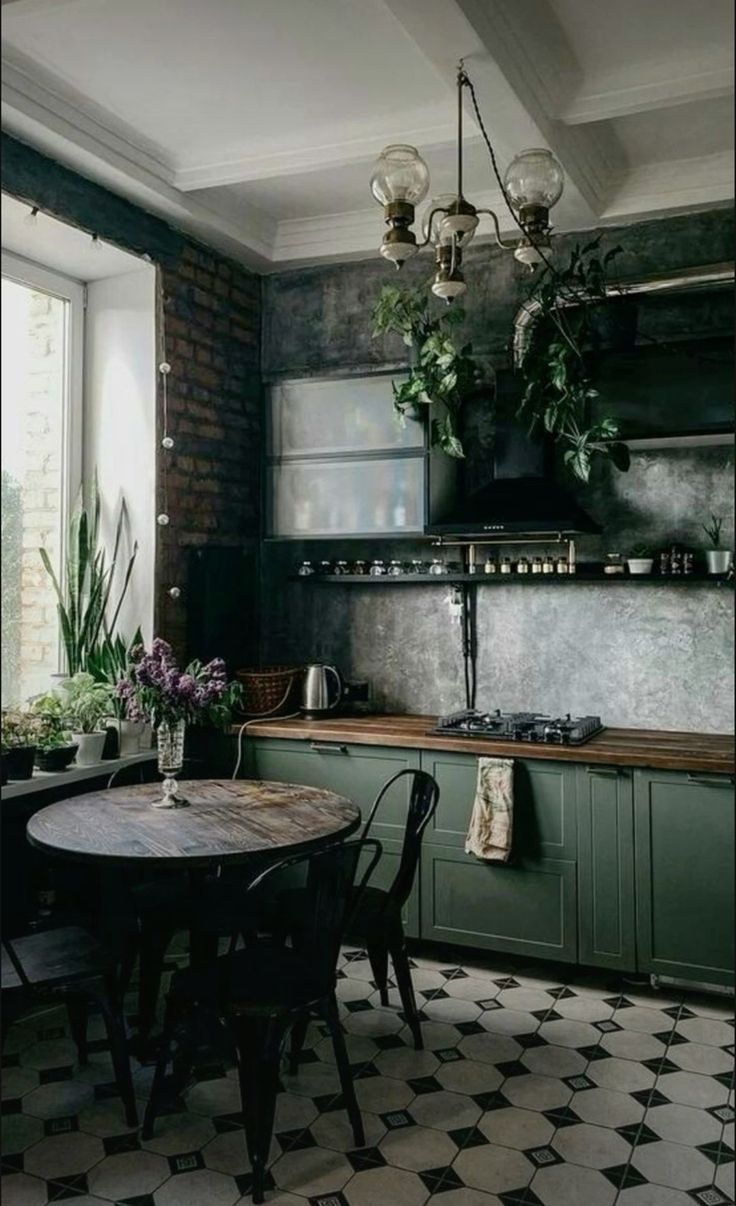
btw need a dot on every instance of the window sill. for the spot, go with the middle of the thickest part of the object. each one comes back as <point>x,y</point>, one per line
<point>44,780</point>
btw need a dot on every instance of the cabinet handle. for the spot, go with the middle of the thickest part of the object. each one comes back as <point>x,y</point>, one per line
<point>711,780</point>
<point>321,747</point>
<point>607,772</point>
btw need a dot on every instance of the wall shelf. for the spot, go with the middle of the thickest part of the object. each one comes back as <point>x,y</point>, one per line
<point>581,578</point>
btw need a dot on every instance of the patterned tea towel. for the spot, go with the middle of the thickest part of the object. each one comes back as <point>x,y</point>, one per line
<point>492,820</point>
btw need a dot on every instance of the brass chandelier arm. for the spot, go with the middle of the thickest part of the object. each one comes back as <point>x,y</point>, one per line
<point>497,229</point>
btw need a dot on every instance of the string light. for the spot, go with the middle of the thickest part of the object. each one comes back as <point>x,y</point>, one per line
<point>96,244</point>
<point>31,218</point>
<point>174,592</point>
<point>167,443</point>
<point>163,520</point>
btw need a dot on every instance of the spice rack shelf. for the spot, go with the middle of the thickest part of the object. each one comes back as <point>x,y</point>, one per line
<point>581,578</point>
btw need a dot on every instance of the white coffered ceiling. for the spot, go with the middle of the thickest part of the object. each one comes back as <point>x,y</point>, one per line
<point>254,123</point>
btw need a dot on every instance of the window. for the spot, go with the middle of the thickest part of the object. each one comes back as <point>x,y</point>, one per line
<point>42,324</point>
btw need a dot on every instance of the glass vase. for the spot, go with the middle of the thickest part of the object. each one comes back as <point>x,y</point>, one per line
<point>170,742</point>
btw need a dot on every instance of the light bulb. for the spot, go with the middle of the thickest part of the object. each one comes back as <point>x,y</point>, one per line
<point>162,520</point>
<point>460,221</point>
<point>167,443</point>
<point>164,368</point>
<point>31,218</point>
<point>400,174</point>
<point>534,177</point>
<point>174,592</point>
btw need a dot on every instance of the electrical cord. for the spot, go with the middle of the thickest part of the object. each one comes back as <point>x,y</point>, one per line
<point>241,732</point>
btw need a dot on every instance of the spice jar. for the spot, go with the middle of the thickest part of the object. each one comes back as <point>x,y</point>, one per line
<point>490,566</point>
<point>437,567</point>
<point>341,567</point>
<point>360,568</point>
<point>664,563</point>
<point>377,570</point>
<point>675,560</point>
<point>305,569</point>
<point>562,567</point>
<point>614,564</point>
<point>395,568</point>
<point>506,565</point>
<point>537,565</point>
<point>522,565</point>
<point>548,566</point>
<point>325,567</point>
<point>417,566</point>
<point>688,563</point>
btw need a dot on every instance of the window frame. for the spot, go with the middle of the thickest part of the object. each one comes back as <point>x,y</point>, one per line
<point>44,280</point>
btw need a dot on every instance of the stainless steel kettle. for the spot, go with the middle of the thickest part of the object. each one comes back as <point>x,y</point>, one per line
<point>322,690</point>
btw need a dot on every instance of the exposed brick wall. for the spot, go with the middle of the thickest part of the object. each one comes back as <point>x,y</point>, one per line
<point>212,313</point>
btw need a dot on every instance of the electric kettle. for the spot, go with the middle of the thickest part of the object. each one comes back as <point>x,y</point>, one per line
<point>322,690</point>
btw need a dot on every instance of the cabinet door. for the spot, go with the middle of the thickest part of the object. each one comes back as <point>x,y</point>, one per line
<point>684,833</point>
<point>606,911</point>
<point>357,772</point>
<point>544,804</point>
<point>526,908</point>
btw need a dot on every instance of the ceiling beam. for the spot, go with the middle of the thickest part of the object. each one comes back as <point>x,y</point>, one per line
<point>523,72</point>
<point>616,98</point>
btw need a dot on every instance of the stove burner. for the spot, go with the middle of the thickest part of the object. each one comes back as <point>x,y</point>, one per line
<point>520,726</point>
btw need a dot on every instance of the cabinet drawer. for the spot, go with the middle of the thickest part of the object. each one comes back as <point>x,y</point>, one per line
<point>544,804</point>
<point>528,909</point>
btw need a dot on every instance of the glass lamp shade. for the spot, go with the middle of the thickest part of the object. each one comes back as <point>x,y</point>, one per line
<point>534,177</point>
<point>398,251</point>
<point>400,174</point>
<point>448,285</point>
<point>528,253</point>
<point>446,225</point>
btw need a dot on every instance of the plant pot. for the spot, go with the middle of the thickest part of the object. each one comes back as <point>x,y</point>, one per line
<point>19,762</point>
<point>90,749</point>
<point>640,565</point>
<point>130,733</point>
<point>55,760</point>
<point>111,748</point>
<point>613,324</point>
<point>718,560</point>
<point>146,740</point>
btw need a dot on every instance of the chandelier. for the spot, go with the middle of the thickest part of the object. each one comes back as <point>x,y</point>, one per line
<point>531,185</point>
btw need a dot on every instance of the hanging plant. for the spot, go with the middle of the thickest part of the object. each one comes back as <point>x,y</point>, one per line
<point>568,309</point>
<point>440,373</point>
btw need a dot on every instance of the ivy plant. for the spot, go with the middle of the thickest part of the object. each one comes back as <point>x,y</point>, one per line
<point>557,366</point>
<point>440,372</point>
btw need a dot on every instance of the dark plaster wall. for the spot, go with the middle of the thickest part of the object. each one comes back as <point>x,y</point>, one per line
<point>659,657</point>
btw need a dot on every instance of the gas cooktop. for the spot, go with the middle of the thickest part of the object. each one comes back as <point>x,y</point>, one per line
<point>520,726</point>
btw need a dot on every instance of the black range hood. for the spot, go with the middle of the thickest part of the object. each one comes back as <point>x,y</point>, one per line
<point>518,496</point>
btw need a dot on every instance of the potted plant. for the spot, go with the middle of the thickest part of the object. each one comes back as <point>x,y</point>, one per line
<point>717,558</point>
<point>110,663</point>
<point>55,748</point>
<point>640,560</point>
<point>157,691</point>
<point>86,703</point>
<point>19,739</point>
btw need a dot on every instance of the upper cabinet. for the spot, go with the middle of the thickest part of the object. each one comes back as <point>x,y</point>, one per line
<point>339,463</point>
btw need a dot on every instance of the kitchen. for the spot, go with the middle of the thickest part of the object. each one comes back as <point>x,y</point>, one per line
<point>506,621</point>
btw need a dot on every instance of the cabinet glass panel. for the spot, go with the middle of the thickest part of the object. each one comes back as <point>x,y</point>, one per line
<point>347,415</point>
<point>338,498</point>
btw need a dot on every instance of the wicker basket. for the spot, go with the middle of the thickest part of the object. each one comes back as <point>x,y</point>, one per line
<point>269,690</point>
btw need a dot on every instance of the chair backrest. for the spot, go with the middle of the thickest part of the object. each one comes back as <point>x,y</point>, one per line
<point>424,795</point>
<point>330,892</point>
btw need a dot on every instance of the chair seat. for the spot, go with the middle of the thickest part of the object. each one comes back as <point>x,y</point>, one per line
<point>261,976</point>
<point>55,956</point>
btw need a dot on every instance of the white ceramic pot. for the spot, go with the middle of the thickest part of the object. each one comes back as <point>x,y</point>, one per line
<point>130,733</point>
<point>718,560</point>
<point>146,737</point>
<point>90,749</point>
<point>640,565</point>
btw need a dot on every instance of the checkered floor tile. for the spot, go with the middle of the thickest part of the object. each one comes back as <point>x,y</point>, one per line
<point>536,1088</point>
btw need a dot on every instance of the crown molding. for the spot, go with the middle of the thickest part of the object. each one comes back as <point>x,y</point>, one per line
<point>623,100</point>
<point>675,184</point>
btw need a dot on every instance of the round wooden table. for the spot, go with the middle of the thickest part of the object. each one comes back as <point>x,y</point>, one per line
<point>225,821</point>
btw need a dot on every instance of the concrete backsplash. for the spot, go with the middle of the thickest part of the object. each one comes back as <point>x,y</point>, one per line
<point>640,656</point>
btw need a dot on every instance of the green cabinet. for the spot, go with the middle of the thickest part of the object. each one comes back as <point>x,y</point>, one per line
<point>606,911</point>
<point>684,825</point>
<point>357,772</point>
<point>526,906</point>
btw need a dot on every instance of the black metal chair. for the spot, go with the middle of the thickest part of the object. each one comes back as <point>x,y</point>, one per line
<point>68,965</point>
<point>376,920</point>
<point>262,991</point>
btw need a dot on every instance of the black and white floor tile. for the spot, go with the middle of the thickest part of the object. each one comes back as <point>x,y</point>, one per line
<point>535,1089</point>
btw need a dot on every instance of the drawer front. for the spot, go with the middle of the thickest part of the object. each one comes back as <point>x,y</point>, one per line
<point>684,833</point>
<point>544,804</point>
<point>606,867</point>
<point>528,909</point>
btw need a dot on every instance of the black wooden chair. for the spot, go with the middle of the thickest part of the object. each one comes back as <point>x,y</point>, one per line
<point>376,920</point>
<point>68,965</point>
<point>262,991</point>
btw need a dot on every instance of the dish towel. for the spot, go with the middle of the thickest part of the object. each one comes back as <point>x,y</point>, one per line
<point>492,819</point>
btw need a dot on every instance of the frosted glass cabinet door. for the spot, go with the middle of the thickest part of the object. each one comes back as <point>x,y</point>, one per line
<point>344,498</point>
<point>347,415</point>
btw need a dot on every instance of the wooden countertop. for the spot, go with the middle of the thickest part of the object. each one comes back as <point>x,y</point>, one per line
<point>703,752</point>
